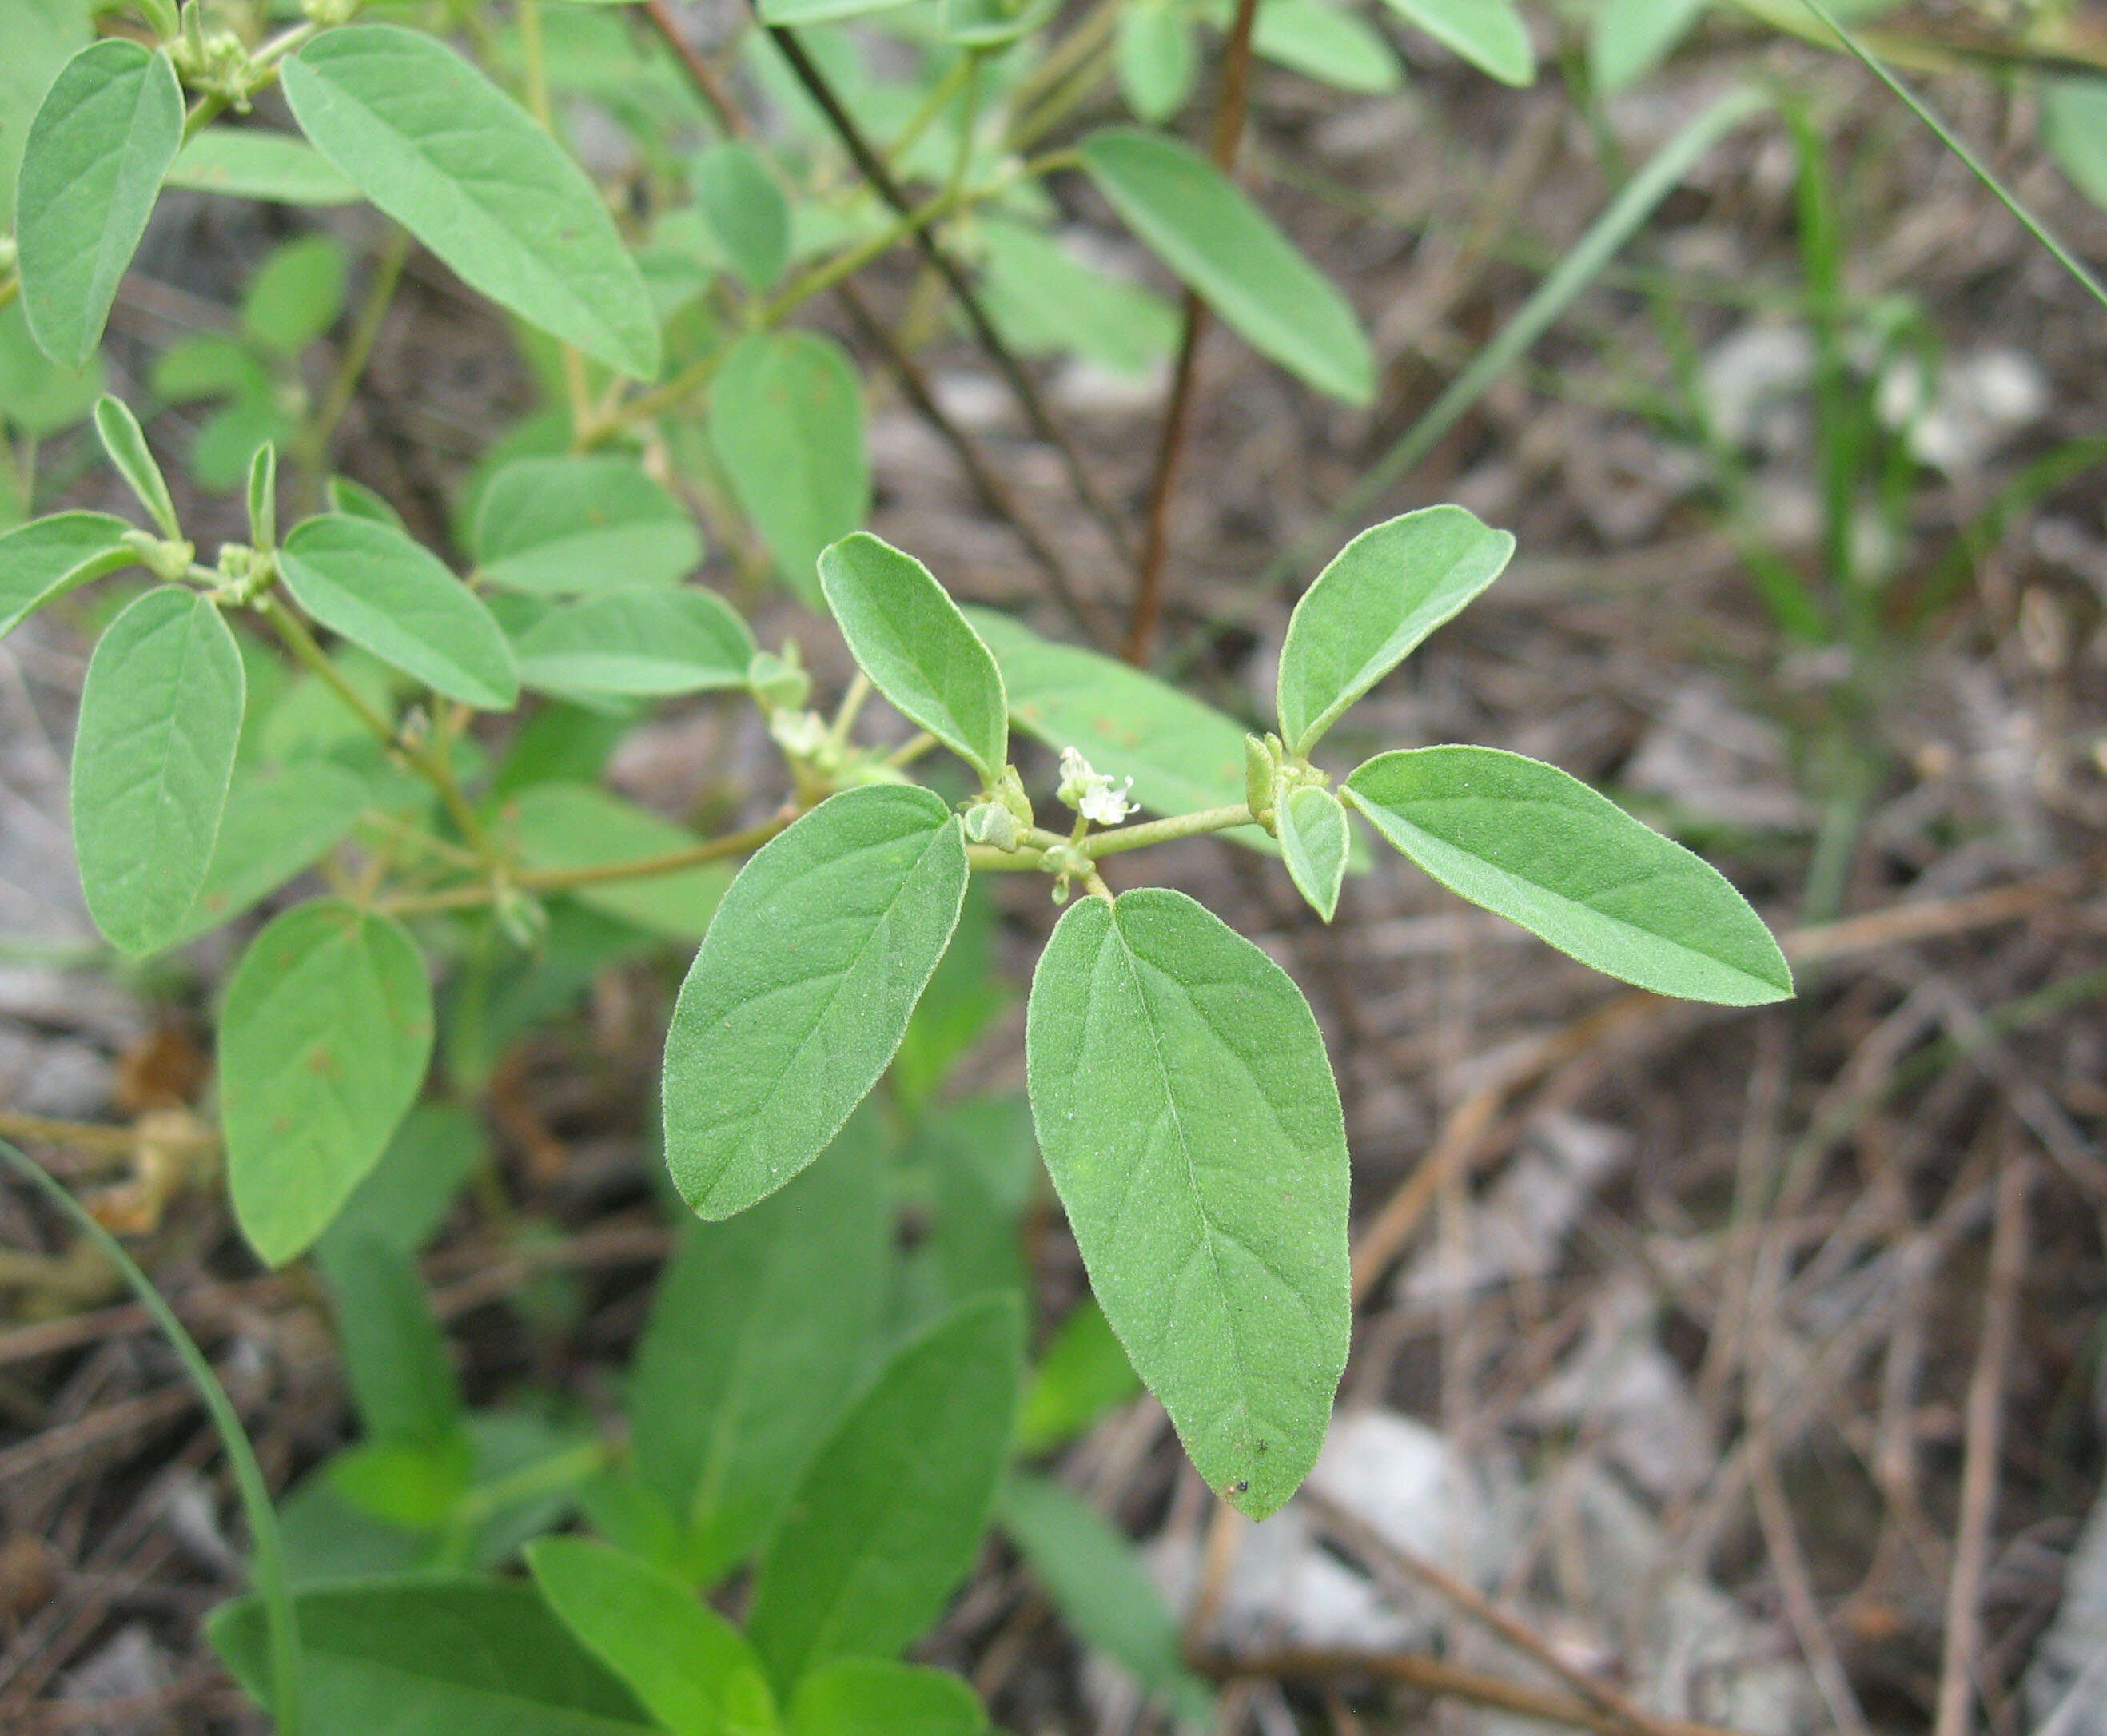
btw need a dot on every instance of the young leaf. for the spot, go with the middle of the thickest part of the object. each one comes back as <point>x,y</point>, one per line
<point>379,589</point>
<point>278,821</point>
<point>1314,838</point>
<point>324,1039</point>
<point>1203,226</point>
<point>433,1657</point>
<point>1097,1580</point>
<point>572,527</point>
<point>264,497</point>
<point>1489,33</point>
<point>760,1328</point>
<point>46,558</point>
<point>92,167</point>
<point>395,1358</point>
<point>1370,608</point>
<point>1538,847</point>
<point>296,294</point>
<point>692,1670</point>
<point>745,210</point>
<point>1191,1125</point>
<point>908,637</point>
<point>868,1697</point>
<point>160,716</point>
<point>248,163</point>
<point>564,826</point>
<point>124,442</point>
<point>643,642</point>
<point>786,424</point>
<point>466,170</point>
<point>803,988</point>
<point>890,1513</point>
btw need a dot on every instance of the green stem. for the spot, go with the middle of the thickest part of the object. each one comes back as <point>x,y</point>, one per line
<point>933,104</point>
<point>1167,831</point>
<point>280,1621</point>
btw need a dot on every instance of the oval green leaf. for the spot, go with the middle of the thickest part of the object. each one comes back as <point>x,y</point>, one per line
<point>46,558</point>
<point>1191,1125</point>
<point>569,527</point>
<point>324,1039</point>
<point>1370,608</point>
<point>889,1516</point>
<point>868,1697</point>
<point>160,716</point>
<point>279,820</point>
<point>107,130</point>
<point>373,584</point>
<point>691,1669</point>
<point>250,163</point>
<point>1536,845</point>
<point>1314,839</point>
<point>908,637</point>
<point>786,423</point>
<point>1328,44</point>
<point>1203,226</point>
<point>37,38</point>
<point>466,170</point>
<point>124,444</point>
<point>802,989</point>
<point>1489,33</point>
<point>1628,38</point>
<point>745,210</point>
<point>647,643</point>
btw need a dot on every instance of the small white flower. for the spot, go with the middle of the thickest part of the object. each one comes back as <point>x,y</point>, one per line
<point>1090,792</point>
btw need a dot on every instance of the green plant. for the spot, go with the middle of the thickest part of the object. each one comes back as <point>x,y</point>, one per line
<point>328,693</point>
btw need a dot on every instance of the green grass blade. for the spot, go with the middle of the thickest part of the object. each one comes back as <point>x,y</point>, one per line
<point>2010,200</point>
<point>269,1548</point>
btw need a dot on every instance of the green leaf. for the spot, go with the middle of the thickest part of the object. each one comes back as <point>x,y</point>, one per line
<point>691,1669</point>
<point>356,500</point>
<point>37,397</point>
<point>786,423</point>
<point>1103,1592</point>
<point>279,822</point>
<point>760,1328</point>
<point>1158,58</point>
<point>124,442</point>
<point>1314,841</point>
<point>249,163</point>
<point>908,636</point>
<point>1084,1374</point>
<point>744,209</point>
<point>1204,226</point>
<point>1628,38</point>
<point>985,1162</point>
<point>324,1039</point>
<point>820,11</point>
<point>2074,126</point>
<point>379,589</point>
<point>296,294</point>
<point>406,1196</point>
<point>209,366</point>
<point>803,988</point>
<point>462,167</point>
<point>1328,44</point>
<point>92,167</point>
<point>160,715</point>
<point>395,1359</point>
<point>1489,33</point>
<point>46,558</point>
<point>990,24</point>
<point>566,826</point>
<point>1045,298</point>
<point>645,642</point>
<point>868,1696</point>
<point>433,1657</point>
<point>1370,608</point>
<point>1534,844</point>
<point>37,38</point>
<point>1189,1120</point>
<point>1182,755</point>
<point>890,1515</point>
<point>571,526</point>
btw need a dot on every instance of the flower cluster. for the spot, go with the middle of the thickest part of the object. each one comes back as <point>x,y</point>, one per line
<point>1090,793</point>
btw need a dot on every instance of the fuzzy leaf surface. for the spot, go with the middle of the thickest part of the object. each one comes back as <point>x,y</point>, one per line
<point>1370,608</point>
<point>249,163</point>
<point>1536,845</point>
<point>1190,1122</point>
<point>324,1039</point>
<point>1314,841</point>
<point>46,558</point>
<point>802,989</point>
<point>648,642</point>
<point>908,637</point>
<point>160,717</point>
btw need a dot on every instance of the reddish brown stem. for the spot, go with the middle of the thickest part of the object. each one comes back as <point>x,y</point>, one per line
<point>1148,606</point>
